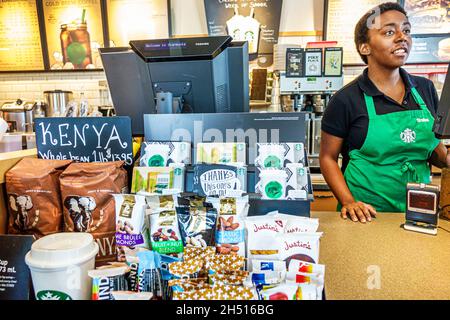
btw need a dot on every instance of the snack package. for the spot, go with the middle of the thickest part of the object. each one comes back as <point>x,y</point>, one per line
<point>186,269</point>
<point>106,280</point>
<point>265,278</point>
<point>232,292</point>
<point>130,295</point>
<point>132,261</point>
<point>303,277</point>
<point>297,181</point>
<point>219,180</point>
<point>197,223</point>
<point>268,265</point>
<point>149,273</point>
<point>290,291</point>
<point>166,276</point>
<point>230,233</point>
<point>271,184</point>
<point>221,153</point>
<point>162,154</point>
<point>262,232</point>
<point>278,155</point>
<point>158,180</point>
<point>187,285</point>
<point>165,235</point>
<point>33,196</point>
<point>228,277</point>
<point>168,202</point>
<point>299,246</point>
<point>298,224</point>
<point>88,204</point>
<point>306,267</point>
<point>225,264</point>
<point>285,291</point>
<point>204,254</point>
<point>131,226</point>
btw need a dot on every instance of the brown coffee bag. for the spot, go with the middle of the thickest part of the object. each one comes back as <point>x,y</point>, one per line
<point>88,204</point>
<point>33,197</point>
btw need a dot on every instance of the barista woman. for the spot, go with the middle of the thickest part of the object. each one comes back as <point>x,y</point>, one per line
<point>381,123</point>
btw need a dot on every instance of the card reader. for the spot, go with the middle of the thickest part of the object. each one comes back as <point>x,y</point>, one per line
<point>422,208</point>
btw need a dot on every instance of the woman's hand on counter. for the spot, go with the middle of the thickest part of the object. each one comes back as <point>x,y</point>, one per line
<point>358,211</point>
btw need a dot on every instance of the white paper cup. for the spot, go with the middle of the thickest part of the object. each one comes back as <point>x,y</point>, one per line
<point>59,265</point>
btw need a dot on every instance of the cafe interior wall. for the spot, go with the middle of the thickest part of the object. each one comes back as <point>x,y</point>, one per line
<point>188,20</point>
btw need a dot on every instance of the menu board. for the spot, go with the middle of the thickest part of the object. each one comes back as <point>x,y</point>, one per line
<point>254,21</point>
<point>20,42</point>
<point>74,33</point>
<point>428,17</point>
<point>137,20</point>
<point>341,19</point>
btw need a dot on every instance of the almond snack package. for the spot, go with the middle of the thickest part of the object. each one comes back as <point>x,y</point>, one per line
<point>87,196</point>
<point>33,196</point>
<point>131,224</point>
<point>197,222</point>
<point>230,233</point>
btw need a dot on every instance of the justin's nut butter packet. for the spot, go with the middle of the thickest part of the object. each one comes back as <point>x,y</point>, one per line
<point>87,195</point>
<point>33,197</point>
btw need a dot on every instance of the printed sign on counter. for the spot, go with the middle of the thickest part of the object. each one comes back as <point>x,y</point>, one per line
<point>14,273</point>
<point>20,40</point>
<point>100,139</point>
<point>74,32</point>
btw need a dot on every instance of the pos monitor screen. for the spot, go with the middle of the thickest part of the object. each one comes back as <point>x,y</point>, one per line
<point>194,75</point>
<point>442,123</point>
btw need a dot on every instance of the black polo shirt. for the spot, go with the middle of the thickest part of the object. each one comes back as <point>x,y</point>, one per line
<point>346,114</point>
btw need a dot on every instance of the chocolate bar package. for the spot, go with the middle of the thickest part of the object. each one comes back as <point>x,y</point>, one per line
<point>219,180</point>
<point>161,154</point>
<point>158,180</point>
<point>221,153</point>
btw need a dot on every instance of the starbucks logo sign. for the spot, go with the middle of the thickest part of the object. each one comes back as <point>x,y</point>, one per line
<point>408,136</point>
<point>52,295</point>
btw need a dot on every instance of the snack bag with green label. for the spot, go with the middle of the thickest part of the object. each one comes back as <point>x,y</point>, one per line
<point>164,231</point>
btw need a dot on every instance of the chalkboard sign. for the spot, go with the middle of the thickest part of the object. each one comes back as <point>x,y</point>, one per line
<point>14,273</point>
<point>100,139</point>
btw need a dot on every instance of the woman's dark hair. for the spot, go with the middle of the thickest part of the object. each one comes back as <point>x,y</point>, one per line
<point>362,28</point>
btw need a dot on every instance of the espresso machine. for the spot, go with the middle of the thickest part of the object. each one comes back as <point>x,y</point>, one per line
<point>311,95</point>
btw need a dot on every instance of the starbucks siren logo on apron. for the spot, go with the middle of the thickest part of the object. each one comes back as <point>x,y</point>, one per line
<point>408,136</point>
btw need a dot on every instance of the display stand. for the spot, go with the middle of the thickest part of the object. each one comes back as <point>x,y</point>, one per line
<point>250,128</point>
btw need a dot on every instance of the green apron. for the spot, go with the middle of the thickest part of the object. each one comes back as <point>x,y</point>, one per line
<point>394,153</point>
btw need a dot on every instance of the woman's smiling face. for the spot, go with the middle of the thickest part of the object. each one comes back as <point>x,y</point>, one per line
<point>390,40</point>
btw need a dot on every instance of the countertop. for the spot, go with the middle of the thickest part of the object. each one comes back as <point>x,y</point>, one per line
<point>410,265</point>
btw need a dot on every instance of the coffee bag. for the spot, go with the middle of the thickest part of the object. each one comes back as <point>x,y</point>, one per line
<point>86,193</point>
<point>32,187</point>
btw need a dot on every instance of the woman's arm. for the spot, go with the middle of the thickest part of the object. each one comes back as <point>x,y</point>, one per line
<point>330,147</point>
<point>440,156</point>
